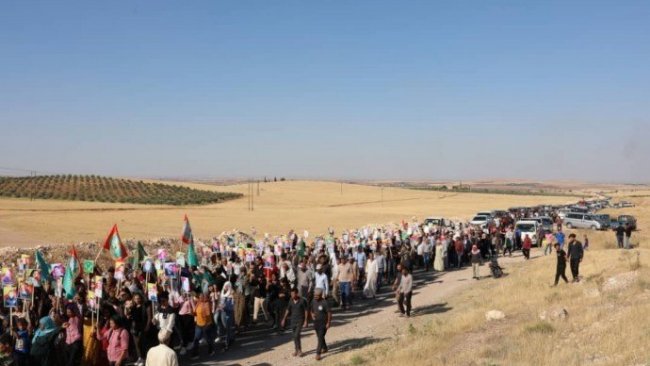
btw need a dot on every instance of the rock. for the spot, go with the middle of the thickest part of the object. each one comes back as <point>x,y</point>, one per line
<point>558,313</point>
<point>494,315</point>
<point>620,281</point>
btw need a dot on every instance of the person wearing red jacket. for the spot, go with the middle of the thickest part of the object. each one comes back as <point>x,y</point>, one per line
<point>527,244</point>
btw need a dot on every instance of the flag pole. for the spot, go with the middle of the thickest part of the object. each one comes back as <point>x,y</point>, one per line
<point>101,248</point>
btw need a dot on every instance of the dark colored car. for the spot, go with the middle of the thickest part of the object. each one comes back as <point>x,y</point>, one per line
<point>627,220</point>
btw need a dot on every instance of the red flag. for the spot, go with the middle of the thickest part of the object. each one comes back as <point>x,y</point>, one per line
<point>187,237</point>
<point>114,245</point>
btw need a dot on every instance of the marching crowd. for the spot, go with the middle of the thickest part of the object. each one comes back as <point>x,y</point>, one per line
<point>153,309</point>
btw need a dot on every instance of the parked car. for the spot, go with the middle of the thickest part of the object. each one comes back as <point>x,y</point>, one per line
<point>528,227</point>
<point>627,220</point>
<point>485,213</point>
<point>613,223</point>
<point>544,221</point>
<point>563,212</point>
<point>436,221</point>
<point>481,220</point>
<point>579,220</point>
<point>604,218</point>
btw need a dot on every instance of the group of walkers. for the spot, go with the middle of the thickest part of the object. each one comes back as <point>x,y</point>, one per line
<point>155,309</point>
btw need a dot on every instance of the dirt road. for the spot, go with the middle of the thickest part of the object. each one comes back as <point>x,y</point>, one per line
<point>368,322</point>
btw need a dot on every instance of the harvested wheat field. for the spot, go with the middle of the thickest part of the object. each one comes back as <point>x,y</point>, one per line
<point>279,207</point>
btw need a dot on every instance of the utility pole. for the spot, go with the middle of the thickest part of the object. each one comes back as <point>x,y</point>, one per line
<point>250,196</point>
<point>341,188</point>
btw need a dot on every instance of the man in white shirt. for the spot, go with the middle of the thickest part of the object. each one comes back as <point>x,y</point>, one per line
<point>162,355</point>
<point>321,280</point>
<point>381,267</point>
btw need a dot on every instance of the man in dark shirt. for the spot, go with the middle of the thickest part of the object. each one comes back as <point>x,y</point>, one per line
<point>620,234</point>
<point>322,315</point>
<point>297,311</point>
<point>575,254</point>
<point>560,271</point>
<point>628,236</point>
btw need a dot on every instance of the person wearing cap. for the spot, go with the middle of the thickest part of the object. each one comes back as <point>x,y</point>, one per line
<point>322,316</point>
<point>575,253</point>
<point>320,280</point>
<point>162,355</point>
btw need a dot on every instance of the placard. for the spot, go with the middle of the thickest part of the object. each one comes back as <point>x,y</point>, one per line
<point>119,270</point>
<point>9,296</point>
<point>89,266</point>
<point>152,291</point>
<point>185,284</point>
<point>25,291</point>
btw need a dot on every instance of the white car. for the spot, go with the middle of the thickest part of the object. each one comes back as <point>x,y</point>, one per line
<point>481,220</point>
<point>527,227</point>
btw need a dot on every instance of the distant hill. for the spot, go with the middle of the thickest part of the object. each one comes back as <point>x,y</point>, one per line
<point>104,189</point>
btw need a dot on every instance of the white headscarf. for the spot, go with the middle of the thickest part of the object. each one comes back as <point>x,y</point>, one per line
<point>226,291</point>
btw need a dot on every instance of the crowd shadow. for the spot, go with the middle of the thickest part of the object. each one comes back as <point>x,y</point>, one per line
<point>348,345</point>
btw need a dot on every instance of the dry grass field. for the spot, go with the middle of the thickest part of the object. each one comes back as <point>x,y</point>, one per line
<point>607,321</point>
<point>279,207</point>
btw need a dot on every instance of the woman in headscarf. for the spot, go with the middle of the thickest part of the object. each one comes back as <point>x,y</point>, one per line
<point>224,318</point>
<point>43,342</point>
<point>439,260</point>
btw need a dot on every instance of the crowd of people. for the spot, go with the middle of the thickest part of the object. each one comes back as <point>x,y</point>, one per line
<point>157,307</point>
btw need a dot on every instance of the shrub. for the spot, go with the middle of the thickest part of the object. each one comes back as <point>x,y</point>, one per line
<point>541,328</point>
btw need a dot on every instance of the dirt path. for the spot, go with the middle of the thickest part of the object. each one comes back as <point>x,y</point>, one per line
<point>368,322</point>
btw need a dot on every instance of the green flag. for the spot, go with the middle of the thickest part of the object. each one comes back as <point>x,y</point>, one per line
<point>43,266</point>
<point>192,259</point>
<point>71,271</point>
<point>139,255</point>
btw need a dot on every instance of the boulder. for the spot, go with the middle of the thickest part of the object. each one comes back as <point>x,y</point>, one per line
<point>493,315</point>
<point>620,281</point>
<point>556,313</point>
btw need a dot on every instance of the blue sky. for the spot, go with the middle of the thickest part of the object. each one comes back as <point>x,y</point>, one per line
<point>327,89</point>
